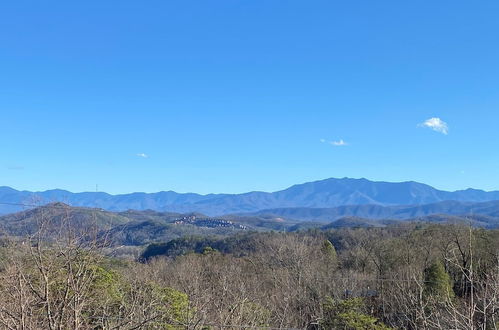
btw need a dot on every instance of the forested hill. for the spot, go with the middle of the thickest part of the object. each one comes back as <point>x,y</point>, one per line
<point>488,210</point>
<point>132,228</point>
<point>136,228</point>
<point>327,193</point>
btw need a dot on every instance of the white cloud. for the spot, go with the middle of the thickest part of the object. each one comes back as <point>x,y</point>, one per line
<point>436,124</point>
<point>339,143</point>
<point>143,155</point>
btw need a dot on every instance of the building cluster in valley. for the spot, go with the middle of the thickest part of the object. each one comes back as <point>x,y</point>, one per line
<point>208,222</point>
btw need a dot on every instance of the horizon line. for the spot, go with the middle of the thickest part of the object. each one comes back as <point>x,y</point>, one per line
<point>245,192</point>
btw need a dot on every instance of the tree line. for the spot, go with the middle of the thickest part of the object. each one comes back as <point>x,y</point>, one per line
<point>407,276</point>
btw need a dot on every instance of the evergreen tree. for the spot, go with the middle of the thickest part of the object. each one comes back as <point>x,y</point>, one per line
<point>438,282</point>
<point>349,314</point>
<point>329,251</point>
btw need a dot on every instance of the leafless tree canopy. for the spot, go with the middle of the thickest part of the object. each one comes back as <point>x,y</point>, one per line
<point>412,277</point>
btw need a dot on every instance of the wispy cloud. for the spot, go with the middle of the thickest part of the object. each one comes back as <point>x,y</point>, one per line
<point>339,143</point>
<point>143,155</point>
<point>436,124</point>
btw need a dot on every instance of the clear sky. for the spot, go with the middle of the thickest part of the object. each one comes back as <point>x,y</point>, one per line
<point>233,96</point>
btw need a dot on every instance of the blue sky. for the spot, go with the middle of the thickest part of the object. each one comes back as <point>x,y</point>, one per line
<point>233,96</point>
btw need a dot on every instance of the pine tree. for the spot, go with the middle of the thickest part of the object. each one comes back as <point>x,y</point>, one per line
<point>329,251</point>
<point>438,282</point>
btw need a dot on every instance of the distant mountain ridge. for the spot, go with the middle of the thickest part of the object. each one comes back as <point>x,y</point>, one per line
<point>487,211</point>
<point>328,193</point>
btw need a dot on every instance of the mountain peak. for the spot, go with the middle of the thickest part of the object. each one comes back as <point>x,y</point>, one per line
<point>327,193</point>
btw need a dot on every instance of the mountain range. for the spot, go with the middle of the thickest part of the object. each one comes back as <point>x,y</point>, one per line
<point>138,228</point>
<point>329,194</point>
<point>487,212</point>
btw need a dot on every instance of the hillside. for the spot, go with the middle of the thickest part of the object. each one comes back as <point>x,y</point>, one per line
<point>59,216</point>
<point>130,227</point>
<point>137,228</point>
<point>489,211</point>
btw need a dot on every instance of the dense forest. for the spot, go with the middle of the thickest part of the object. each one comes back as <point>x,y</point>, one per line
<point>403,276</point>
